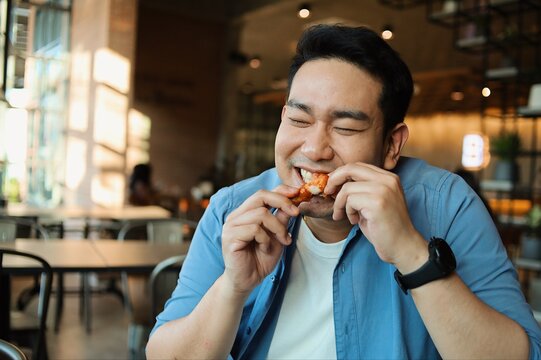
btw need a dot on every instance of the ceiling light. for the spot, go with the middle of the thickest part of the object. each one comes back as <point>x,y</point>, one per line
<point>485,92</point>
<point>304,11</point>
<point>255,62</point>
<point>387,32</point>
<point>416,89</point>
<point>457,94</point>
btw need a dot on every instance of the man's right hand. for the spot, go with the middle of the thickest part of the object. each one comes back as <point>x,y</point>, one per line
<point>253,238</point>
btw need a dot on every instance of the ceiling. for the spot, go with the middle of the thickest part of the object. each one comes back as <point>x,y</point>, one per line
<point>269,29</point>
<point>270,32</point>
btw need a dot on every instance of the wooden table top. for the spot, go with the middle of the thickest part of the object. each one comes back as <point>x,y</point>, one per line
<point>62,255</point>
<point>137,255</point>
<point>70,255</point>
<point>71,212</point>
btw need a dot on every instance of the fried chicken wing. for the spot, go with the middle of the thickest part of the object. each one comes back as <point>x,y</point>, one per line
<point>314,187</point>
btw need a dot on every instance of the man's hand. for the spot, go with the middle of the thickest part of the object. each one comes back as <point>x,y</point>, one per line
<point>373,198</point>
<point>253,238</point>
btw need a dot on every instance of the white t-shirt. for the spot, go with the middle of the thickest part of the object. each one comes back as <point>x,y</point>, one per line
<point>305,328</point>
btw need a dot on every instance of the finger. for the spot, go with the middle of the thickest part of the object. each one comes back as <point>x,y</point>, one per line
<point>244,235</point>
<point>356,172</point>
<point>286,190</point>
<point>267,199</point>
<point>263,217</point>
<point>352,213</point>
<point>361,188</point>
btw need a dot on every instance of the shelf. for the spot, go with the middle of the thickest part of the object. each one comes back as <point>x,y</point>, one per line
<point>512,220</point>
<point>497,185</point>
<point>512,6</point>
<point>472,42</point>
<point>528,264</point>
<point>502,73</point>
<point>525,111</point>
<point>401,4</point>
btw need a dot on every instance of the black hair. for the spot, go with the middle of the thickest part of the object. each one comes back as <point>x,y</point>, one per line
<point>365,49</point>
<point>141,173</point>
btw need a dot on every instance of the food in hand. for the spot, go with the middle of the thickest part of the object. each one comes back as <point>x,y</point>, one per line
<point>314,185</point>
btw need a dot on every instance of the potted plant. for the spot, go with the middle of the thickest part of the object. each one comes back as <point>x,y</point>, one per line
<point>530,241</point>
<point>506,147</point>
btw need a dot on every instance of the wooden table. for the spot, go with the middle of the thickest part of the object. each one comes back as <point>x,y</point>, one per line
<point>136,256</point>
<point>86,256</point>
<point>60,214</point>
<point>77,212</point>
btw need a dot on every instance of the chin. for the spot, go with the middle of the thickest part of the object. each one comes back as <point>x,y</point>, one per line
<point>317,207</point>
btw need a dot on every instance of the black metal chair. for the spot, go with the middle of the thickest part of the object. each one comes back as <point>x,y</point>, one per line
<point>13,227</point>
<point>18,227</point>
<point>161,284</point>
<point>22,327</point>
<point>9,351</point>
<point>172,230</point>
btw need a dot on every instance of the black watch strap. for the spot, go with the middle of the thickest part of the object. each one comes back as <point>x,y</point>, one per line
<point>441,263</point>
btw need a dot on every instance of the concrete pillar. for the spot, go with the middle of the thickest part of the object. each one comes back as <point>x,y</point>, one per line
<point>103,36</point>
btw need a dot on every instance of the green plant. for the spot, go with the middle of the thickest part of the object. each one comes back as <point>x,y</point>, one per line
<point>506,146</point>
<point>533,220</point>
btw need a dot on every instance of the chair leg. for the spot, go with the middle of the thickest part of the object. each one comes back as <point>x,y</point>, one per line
<point>59,302</point>
<point>125,290</point>
<point>43,354</point>
<point>86,297</point>
<point>27,295</point>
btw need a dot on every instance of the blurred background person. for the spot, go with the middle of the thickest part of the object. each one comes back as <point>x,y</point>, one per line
<point>141,190</point>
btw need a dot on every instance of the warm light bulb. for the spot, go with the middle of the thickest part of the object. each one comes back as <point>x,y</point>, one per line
<point>255,62</point>
<point>457,95</point>
<point>387,34</point>
<point>485,92</point>
<point>304,13</point>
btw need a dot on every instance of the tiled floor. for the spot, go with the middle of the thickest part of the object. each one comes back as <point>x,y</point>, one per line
<point>108,338</point>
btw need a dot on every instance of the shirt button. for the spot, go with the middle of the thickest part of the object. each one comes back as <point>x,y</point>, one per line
<point>248,330</point>
<point>343,268</point>
<point>273,278</point>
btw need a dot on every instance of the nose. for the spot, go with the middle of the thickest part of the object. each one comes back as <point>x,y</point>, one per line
<point>317,145</point>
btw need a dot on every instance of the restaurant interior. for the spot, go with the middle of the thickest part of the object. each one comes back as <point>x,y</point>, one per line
<point>93,89</point>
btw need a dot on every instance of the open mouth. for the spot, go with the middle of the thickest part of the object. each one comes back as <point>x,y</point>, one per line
<point>314,184</point>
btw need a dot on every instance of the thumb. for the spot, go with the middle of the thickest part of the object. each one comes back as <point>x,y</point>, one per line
<point>282,217</point>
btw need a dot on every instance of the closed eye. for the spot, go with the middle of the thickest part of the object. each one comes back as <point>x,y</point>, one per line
<point>346,131</point>
<point>299,123</point>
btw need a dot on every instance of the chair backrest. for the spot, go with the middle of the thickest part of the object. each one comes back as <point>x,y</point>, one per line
<point>165,231</point>
<point>44,293</point>
<point>16,227</point>
<point>163,281</point>
<point>9,351</point>
<point>160,231</point>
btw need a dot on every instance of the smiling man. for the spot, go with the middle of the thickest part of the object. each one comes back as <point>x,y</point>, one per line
<point>395,259</point>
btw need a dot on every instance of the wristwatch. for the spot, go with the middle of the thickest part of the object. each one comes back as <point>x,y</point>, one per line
<point>441,263</point>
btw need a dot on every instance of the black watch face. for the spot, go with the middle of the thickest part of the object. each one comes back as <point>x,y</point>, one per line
<point>444,254</point>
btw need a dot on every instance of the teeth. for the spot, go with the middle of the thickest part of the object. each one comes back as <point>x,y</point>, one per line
<point>306,175</point>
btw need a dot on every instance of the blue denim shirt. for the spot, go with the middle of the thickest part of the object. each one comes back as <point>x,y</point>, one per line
<point>373,318</point>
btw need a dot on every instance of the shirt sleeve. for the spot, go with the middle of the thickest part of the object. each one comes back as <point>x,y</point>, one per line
<point>482,261</point>
<point>203,264</point>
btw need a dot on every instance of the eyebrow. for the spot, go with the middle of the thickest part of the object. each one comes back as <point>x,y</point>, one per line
<point>297,105</point>
<point>337,114</point>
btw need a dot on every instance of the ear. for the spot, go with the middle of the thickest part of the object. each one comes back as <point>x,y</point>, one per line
<point>283,112</point>
<point>394,143</point>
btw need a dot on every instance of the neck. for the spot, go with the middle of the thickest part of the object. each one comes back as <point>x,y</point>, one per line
<point>328,230</point>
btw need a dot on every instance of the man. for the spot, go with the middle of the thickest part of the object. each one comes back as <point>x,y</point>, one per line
<point>355,273</point>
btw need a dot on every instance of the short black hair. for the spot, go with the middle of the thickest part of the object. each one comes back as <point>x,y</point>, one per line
<point>365,49</point>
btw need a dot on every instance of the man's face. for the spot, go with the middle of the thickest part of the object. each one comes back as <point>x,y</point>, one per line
<point>331,118</point>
